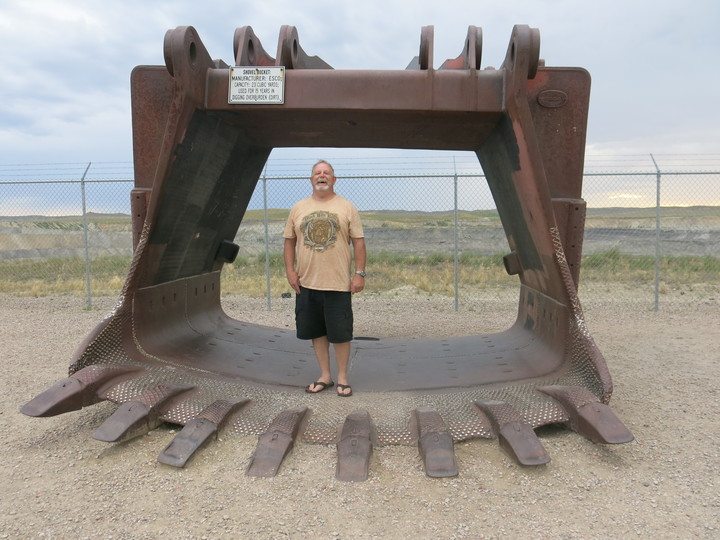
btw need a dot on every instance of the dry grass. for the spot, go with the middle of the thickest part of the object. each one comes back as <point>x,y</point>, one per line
<point>434,273</point>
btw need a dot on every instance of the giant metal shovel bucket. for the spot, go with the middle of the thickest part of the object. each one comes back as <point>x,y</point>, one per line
<point>168,352</point>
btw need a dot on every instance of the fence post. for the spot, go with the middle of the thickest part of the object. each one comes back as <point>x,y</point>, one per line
<point>456,258</point>
<point>657,235</point>
<point>267,239</point>
<point>85,233</point>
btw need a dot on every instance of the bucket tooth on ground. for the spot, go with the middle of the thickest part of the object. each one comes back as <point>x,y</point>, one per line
<point>81,389</point>
<point>138,417</point>
<point>588,416</point>
<point>275,444</point>
<point>516,437</point>
<point>198,431</point>
<point>355,448</point>
<point>435,443</point>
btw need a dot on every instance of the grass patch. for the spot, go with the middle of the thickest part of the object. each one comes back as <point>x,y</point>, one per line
<point>431,273</point>
<point>613,265</point>
<point>63,276</point>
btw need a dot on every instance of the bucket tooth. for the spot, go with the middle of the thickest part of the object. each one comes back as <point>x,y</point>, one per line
<point>355,448</point>
<point>198,431</point>
<point>276,443</point>
<point>81,389</point>
<point>192,436</point>
<point>588,416</point>
<point>516,437</point>
<point>138,417</point>
<point>435,444</point>
<point>519,440</point>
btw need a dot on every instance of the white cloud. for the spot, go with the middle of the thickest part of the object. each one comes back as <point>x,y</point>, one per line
<point>64,80</point>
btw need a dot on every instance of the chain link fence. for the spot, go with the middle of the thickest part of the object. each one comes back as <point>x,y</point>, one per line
<point>71,233</point>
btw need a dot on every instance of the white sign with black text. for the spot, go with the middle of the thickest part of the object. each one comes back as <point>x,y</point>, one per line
<point>257,85</point>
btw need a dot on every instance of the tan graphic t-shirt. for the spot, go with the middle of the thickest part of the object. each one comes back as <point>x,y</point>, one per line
<point>323,230</point>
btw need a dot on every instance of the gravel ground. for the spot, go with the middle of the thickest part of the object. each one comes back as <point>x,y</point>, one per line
<point>58,482</point>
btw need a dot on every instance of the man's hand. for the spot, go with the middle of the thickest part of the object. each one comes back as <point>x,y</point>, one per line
<point>293,280</point>
<point>357,284</point>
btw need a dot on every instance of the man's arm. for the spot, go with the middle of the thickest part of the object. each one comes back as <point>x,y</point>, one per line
<point>358,282</point>
<point>289,256</point>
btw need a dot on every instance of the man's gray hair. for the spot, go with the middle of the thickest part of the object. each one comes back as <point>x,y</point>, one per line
<point>326,163</point>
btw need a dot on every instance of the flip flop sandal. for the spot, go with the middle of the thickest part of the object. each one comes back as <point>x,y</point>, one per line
<point>323,385</point>
<point>344,387</point>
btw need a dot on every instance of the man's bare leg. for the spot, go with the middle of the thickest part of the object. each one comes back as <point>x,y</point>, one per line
<point>342,357</point>
<point>321,346</point>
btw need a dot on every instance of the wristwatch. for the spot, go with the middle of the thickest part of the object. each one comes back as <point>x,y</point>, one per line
<point>360,273</point>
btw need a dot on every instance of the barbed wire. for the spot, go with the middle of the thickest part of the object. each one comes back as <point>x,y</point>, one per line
<point>368,164</point>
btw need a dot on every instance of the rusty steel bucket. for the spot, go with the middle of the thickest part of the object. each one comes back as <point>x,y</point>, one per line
<point>168,352</point>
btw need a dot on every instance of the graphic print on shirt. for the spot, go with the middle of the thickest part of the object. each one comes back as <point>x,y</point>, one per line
<point>319,230</point>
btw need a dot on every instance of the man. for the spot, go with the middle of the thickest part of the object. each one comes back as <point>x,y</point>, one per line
<point>318,260</point>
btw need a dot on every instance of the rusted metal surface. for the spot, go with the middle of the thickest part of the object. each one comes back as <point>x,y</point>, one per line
<point>354,448</point>
<point>198,158</point>
<point>197,432</point>
<point>275,444</point>
<point>81,389</point>
<point>435,444</point>
<point>516,437</point>
<point>139,416</point>
<point>586,415</point>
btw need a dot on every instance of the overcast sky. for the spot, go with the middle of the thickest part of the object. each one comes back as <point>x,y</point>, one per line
<point>64,78</point>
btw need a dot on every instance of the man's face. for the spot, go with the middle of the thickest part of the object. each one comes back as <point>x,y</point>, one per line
<point>322,178</point>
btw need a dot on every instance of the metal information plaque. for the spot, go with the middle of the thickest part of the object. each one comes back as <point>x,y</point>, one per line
<point>257,85</point>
